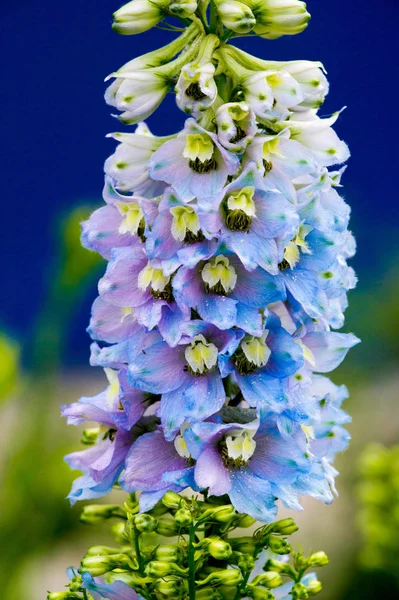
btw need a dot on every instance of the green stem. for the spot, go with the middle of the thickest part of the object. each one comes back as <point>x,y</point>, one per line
<point>191,564</point>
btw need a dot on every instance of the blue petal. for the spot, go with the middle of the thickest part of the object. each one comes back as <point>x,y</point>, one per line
<point>252,495</point>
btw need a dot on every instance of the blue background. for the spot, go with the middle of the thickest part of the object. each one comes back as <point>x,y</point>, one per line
<point>54,122</point>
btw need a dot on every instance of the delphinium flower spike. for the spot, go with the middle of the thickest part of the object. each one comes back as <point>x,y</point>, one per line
<point>227,246</point>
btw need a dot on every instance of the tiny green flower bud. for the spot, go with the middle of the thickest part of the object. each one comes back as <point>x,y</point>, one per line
<point>118,532</point>
<point>183,517</point>
<point>172,587</point>
<point>173,500</point>
<point>258,593</point>
<point>236,16</point>
<point>95,513</point>
<point>182,8</point>
<point>157,568</point>
<point>299,592</point>
<point>243,544</point>
<point>270,579</point>
<point>228,592</point>
<point>208,593</point>
<point>246,562</point>
<point>314,587</point>
<point>318,559</point>
<point>228,577</point>
<point>137,16</point>
<point>169,554</point>
<point>245,521</point>
<point>219,549</point>
<point>285,527</point>
<point>222,514</point>
<point>278,545</point>
<point>102,551</point>
<point>279,567</point>
<point>167,526</point>
<point>98,565</point>
<point>145,522</point>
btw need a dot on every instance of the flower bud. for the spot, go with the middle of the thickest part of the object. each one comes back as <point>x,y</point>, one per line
<point>278,545</point>
<point>102,551</point>
<point>221,514</point>
<point>275,18</point>
<point>95,513</point>
<point>236,16</point>
<point>173,553</point>
<point>270,579</point>
<point>279,567</point>
<point>285,527</point>
<point>183,517</point>
<point>172,587</point>
<point>299,592</point>
<point>246,562</point>
<point>182,8</point>
<point>245,521</point>
<point>318,559</point>
<point>244,544</point>
<point>167,526</point>
<point>228,577</point>
<point>208,593</point>
<point>219,549</point>
<point>137,16</point>
<point>157,568</point>
<point>173,500</point>
<point>98,565</point>
<point>314,587</point>
<point>258,593</point>
<point>145,523</point>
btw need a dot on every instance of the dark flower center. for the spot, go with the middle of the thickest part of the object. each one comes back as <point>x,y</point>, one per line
<point>228,461</point>
<point>203,167</point>
<point>194,91</point>
<point>193,238</point>
<point>267,166</point>
<point>165,294</point>
<point>240,134</point>
<point>244,366</point>
<point>238,220</point>
<point>284,265</point>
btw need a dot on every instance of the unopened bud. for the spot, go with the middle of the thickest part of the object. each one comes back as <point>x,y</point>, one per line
<point>102,551</point>
<point>285,527</point>
<point>118,532</point>
<point>219,549</point>
<point>279,567</point>
<point>208,593</point>
<point>274,18</point>
<point>95,513</point>
<point>157,568</point>
<point>299,592</point>
<point>258,593</point>
<point>183,517</point>
<point>243,544</point>
<point>246,562</point>
<point>182,8</point>
<point>173,500</point>
<point>270,579</point>
<point>137,16</point>
<point>145,523</point>
<point>172,587</point>
<point>278,545</point>
<point>318,559</point>
<point>314,587</point>
<point>167,526</point>
<point>169,554</point>
<point>228,577</point>
<point>98,565</point>
<point>221,514</point>
<point>236,16</point>
<point>245,521</point>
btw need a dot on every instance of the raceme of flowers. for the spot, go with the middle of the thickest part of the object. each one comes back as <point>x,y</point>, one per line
<point>227,276</point>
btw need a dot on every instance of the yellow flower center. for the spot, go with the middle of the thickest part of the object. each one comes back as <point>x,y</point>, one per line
<point>184,220</point>
<point>219,276</point>
<point>201,356</point>
<point>132,217</point>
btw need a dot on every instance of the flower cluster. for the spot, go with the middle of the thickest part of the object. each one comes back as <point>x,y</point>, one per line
<point>227,276</point>
<point>199,556</point>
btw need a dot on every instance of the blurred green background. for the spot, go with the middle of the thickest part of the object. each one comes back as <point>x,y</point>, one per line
<point>40,535</point>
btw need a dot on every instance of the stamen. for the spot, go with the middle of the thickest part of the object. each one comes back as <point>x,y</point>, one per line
<point>193,238</point>
<point>194,91</point>
<point>284,265</point>
<point>267,165</point>
<point>165,294</point>
<point>203,167</point>
<point>238,220</point>
<point>240,134</point>
<point>244,366</point>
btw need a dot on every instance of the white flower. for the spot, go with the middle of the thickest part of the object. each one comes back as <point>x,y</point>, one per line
<point>196,87</point>
<point>236,125</point>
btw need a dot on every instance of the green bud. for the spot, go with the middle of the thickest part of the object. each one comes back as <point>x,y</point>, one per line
<point>102,551</point>
<point>245,521</point>
<point>246,562</point>
<point>258,593</point>
<point>98,565</point>
<point>183,517</point>
<point>167,526</point>
<point>270,579</point>
<point>221,514</point>
<point>173,500</point>
<point>243,544</point>
<point>299,592</point>
<point>318,559</point>
<point>278,545</point>
<point>169,554</point>
<point>63,596</point>
<point>219,549</point>
<point>95,513</point>
<point>145,523</point>
<point>172,587</point>
<point>208,593</point>
<point>228,592</point>
<point>157,568</point>
<point>118,532</point>
<point>314,587</point>
<point>279,567</point>
<point>285,527</point>
<point>229,577</point>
